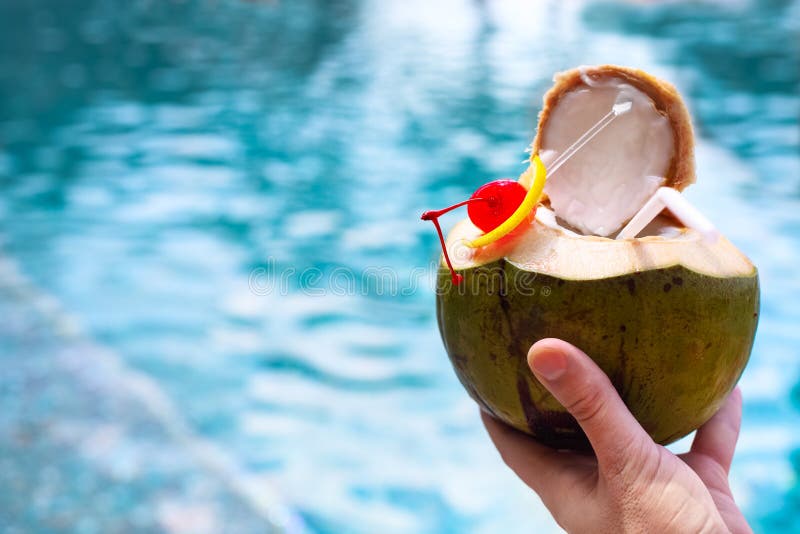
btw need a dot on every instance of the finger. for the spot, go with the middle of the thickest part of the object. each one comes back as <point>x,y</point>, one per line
<point>717,438</point>
<point>545,470</point>
<point>587,393</point>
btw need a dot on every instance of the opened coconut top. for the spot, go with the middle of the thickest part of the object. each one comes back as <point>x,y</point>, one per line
<point>609,168</point>
<point>651,145</point>
<point>549,249</point>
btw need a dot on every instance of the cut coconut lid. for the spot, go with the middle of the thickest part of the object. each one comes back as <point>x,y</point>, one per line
<point>662,198</point>
<point>644,142</point>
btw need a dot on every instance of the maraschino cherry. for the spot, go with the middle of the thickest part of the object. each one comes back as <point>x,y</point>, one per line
<point>488,207</point>
<point>500,199</point>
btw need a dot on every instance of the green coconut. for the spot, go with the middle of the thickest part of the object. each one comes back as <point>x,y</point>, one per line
<point>668,316</point>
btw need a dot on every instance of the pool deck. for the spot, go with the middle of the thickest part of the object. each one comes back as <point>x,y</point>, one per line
<point>88,444</point>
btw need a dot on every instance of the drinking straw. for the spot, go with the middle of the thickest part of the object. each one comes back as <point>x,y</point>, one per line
<point>671,199</point>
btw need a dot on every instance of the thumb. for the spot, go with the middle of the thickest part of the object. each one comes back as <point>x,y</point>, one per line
<point>586,392</point>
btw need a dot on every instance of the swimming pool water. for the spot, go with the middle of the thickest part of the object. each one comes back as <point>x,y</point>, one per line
<point>164,164</point>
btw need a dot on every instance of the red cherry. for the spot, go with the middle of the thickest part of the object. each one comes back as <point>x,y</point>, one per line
<point>501,198</point>
<point>488,208</point>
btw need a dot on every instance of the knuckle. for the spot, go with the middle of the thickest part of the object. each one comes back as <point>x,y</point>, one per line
<point>589,404</point>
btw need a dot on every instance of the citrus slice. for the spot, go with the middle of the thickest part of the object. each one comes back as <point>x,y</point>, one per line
<point>528,205</point>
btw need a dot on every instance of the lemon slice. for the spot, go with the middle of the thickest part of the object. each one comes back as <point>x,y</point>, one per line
<point>528,204</point>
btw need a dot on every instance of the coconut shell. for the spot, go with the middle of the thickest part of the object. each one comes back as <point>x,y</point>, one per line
<point>671,321</point>
<point>673,342</point>
<point>665,97</point>
<point>669,318</point>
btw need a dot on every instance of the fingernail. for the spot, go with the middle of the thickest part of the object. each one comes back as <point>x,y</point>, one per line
<point>548,363</point>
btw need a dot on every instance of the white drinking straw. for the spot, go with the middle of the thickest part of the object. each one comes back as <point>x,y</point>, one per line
<point>619,108</point>
<point>669,198</point>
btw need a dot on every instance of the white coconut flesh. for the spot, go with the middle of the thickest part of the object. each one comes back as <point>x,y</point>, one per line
<point>549,248</point>
<point>604,184</point>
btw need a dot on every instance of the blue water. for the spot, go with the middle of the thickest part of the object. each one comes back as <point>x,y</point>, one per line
<point>164,165</point>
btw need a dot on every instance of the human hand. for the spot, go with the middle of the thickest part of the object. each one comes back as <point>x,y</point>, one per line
<point>631,484</point>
